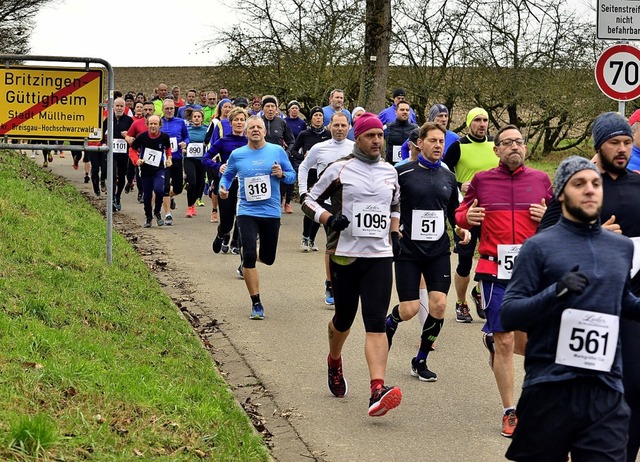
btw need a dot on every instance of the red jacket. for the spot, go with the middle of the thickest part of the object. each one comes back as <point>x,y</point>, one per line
<point>506,197</point>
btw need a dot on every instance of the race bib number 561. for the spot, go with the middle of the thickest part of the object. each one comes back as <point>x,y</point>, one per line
<point>587,339</point>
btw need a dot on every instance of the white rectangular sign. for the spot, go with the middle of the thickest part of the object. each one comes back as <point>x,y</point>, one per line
<point>618,20</point>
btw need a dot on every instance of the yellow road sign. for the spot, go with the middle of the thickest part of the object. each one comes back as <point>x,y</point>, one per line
<point>50,103</point>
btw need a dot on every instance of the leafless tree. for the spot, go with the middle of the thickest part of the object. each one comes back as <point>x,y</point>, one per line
<point>375,66</point>
<point>16,23</point>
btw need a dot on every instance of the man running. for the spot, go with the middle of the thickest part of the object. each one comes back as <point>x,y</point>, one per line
<point>260,166</point>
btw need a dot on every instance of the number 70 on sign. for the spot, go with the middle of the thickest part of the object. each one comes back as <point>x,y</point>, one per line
<point>618,72</point>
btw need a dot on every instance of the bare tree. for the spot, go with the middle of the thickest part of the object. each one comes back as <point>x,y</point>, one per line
<point>16,23</point>
<point>294,49</point>
<point>375,68</point>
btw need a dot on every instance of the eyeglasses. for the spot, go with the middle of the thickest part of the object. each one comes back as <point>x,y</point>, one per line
<point>508,142</point>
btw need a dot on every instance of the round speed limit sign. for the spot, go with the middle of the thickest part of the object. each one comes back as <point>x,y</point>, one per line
<point>618,72</point>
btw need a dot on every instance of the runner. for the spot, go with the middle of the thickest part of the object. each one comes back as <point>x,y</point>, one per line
<point>260,166</point>
<point>365,198</point>
<point>179,136</point>
<point>569,289</point>
<point>509,202</point>
<point>214,160</point>
<point>469,155</point>
<point>121,124</point>
<point>428,197</point>
<point>319,157</point>
<point>193,167</point>
<point>151,152</point>
<point>314,134</point>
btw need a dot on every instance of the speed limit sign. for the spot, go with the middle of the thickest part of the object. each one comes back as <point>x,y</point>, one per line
<point>618,72</point>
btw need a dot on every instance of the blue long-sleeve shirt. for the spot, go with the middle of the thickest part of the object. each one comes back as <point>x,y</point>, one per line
<point>224,146</point>
<point>175,128</point>
<point>530,303</point>
<point>254,164</point>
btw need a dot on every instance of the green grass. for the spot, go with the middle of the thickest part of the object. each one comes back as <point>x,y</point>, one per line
<point>95,361</point>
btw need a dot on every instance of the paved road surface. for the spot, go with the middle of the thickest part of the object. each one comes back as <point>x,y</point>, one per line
<point>456,418</point>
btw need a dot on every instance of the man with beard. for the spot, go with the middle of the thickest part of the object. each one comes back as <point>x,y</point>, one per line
<point>509,202</point>
<point>621,209</point>
<point>568,291</point>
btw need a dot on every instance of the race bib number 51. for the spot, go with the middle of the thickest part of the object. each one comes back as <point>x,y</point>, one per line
<point>587,339</point>
<point>369,220</point>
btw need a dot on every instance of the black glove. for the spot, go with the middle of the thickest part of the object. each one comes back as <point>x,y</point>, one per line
<point>572,282</point>
<point>337,222</point>
<point>395,243</point>
<point>302,197</point>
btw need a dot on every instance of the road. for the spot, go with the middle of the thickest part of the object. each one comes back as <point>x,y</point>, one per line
<point>278,366</point>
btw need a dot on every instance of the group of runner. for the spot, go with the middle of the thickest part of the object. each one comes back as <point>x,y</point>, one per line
<point>384,190</point>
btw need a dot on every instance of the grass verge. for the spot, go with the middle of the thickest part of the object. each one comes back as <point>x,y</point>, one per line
<point>95,361</point>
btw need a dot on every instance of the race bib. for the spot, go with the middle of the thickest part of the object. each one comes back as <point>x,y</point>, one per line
<point>507,254</point>
<point>587,339</point>
<point>257,188</point>
<point>174,144</point>
<point>152,157</point>
<point>369,220</point>
<point>635,265</point>
<point>119,146</point>
<point>427,225</point>
<point>396,154</point>
<point>195,150</point>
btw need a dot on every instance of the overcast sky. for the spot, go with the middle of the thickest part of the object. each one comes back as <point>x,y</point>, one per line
<point>89,28</point>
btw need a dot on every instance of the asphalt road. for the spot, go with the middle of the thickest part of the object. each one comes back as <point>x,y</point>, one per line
<point>278,365</point>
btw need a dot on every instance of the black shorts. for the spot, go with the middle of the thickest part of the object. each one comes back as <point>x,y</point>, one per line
<point>582,416</point>
<point>436,272</point>
<point>469,249</point>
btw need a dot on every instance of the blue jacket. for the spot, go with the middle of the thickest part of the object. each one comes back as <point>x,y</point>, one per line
<point>388,115</point>
<point>247,163</point>
<point>175,128</point>
<point>224,147</point>
<point>184,108</point>
<point>530,303</point>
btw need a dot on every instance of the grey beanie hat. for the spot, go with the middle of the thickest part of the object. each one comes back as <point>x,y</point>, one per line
<point>607,125</point>
<point>569,167</point>
<point>435,110</point>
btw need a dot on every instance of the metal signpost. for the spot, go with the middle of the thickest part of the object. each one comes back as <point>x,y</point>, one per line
<point>54,103</point>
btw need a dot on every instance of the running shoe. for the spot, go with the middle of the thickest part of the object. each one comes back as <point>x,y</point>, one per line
<point>199,202</point>
<point>390,329</point>
<point>304,244</point>
<point>225,244</point>
<point>257,311</point>
<point>61,154</point>
<point>419,369</point>
<point>86,179</point>
<point>287,208</point>
<point>127,188</point>
<point>336,381</point>
<point>489,344</point>
<point>147,223</point>
<point>328,295</point>
<point>45,164</point>
<point>159,219</point>
<point>313,245</point>
<point>214,216</point>
<point>75,164</point>
<point>50,157</point>
<point>216,245</point>
<point>240,272</point>
<point>189,213</point>
<point>462,312</point>
<point>117,204</point>
<point>383,399</point>
<point>173,204</point>
<point>168,219</point>
<point>139,199</point>
<point>235,250</point>
<point>103,186</point>
<point>477,299</point>
<point>509,423</point>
